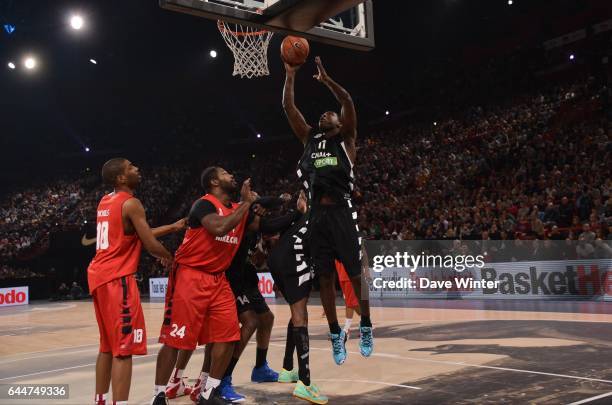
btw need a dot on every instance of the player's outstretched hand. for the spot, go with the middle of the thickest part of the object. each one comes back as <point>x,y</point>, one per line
<point>322,75</point>
<point>246,194</point>
<point>180,225</point>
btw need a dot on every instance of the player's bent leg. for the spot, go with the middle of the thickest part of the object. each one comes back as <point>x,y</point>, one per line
<point>262,372</point>
<point>176,386</point>
<point>196,389</point>
<point>336,335</point>
<point>166,359</point>
<point>304,389</point>
<point>103,377</point>
<point>288,374</point>
<point>121,377</point>
<point>366,336</point>
<point>221,354</point>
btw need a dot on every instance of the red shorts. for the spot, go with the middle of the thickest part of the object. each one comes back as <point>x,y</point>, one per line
<point>200,309</point>
<point>120,318</point>
<point>347,287</point>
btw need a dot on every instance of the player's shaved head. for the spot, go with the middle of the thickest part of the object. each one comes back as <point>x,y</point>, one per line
<point>113,169</point>
<point>208,175</point>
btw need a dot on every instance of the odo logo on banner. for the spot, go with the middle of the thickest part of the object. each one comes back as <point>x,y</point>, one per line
<point>266,285</point>
<point>14,296</point>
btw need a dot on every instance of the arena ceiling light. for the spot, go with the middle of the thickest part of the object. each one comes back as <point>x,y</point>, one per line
<point>30,62</point>
<point>213,53</point>
<point>87,149</point>
<point>572,57</point>
<point>387,112</point>
<point>76,22</point>
<point>11,65</point>
<point>258,136</point>
<point>95,62</point>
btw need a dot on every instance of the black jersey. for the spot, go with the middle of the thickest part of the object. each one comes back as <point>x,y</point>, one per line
<point>325,167</point>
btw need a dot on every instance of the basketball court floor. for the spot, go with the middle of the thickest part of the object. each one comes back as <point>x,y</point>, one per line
<point>426,352</point>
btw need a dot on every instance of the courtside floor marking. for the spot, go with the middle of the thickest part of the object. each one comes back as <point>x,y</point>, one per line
<point>370,382</point>
<point>584,401</point>
<point>463,364</point>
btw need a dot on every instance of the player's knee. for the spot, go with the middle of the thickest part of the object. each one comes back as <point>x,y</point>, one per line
<point>250,323</point>
<point>266,319</point>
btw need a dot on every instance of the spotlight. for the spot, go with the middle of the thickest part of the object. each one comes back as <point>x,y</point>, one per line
<point>11,65</point>
<point>510,2</point>
<point>95,62</point>
<point>258,136</point>
<point>29,63</point>
<point>85,222</point>
<point>76,22</point>
<point>435,123</point>
<point>213,54</point>
<point>572,57</point>
<point>87,149</point>
<point>387,112</point>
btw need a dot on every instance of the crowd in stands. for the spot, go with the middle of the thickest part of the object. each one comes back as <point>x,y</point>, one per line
<point>536,166</point>
<point>10,273</point>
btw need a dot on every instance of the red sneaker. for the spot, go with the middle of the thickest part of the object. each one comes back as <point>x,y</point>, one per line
<point>176,388</point>
<point>194,393</point>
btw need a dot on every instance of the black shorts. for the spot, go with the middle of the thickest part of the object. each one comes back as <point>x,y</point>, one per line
<point>246,291</point>
<point>252,300</point>
<point>288,264</point>
<point>334,234</point>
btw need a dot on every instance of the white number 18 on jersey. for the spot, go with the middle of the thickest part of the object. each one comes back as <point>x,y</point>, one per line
<point>102,236</point>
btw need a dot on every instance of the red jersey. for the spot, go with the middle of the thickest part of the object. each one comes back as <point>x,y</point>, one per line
<point>203,251</point>
<point>117,254</point>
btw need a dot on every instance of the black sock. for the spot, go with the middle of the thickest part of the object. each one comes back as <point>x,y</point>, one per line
<point>289,348</point>
<point>366,322</point>
<point>260,360</point>
<point>230,369</point>
<point>334,328</point>
<point>300,335</point>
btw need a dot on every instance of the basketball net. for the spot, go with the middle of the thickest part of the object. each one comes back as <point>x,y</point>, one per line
<point>250,48</point>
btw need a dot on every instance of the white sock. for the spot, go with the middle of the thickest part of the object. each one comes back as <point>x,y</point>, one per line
<point>120,403</point>
<point>203,377</point>
<point>101,397</point>
<point>210,384</point>
<point>347,323</point>
<point>177,373</point>
<point>159,388</point>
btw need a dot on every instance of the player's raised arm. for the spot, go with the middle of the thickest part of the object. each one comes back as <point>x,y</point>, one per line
<point>134,210</point>
<point>348,114</point>
<point>296,119</point>
<point>218,225</point>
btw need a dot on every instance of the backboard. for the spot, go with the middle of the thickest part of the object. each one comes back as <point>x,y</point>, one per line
<point>345,23</point>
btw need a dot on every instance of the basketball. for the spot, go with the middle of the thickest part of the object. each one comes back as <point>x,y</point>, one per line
<point>294,50</point>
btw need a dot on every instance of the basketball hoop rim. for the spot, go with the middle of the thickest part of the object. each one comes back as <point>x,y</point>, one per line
<point>222,27</point>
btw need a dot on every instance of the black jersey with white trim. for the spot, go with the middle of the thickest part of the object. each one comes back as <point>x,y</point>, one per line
<point>325,167</point>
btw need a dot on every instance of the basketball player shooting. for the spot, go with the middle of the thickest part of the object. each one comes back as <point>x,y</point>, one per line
<point>326,170</point>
